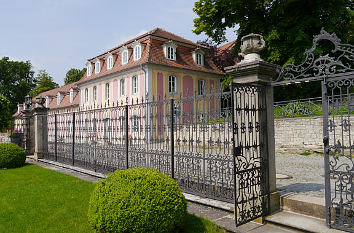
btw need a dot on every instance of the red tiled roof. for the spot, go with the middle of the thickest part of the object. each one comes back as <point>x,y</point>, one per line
<point>153,53</point>
<point>226,46</point>
<point>53,92</point>
<point>65,102</point>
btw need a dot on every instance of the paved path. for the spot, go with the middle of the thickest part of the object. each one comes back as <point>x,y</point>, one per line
<point>220,217</point>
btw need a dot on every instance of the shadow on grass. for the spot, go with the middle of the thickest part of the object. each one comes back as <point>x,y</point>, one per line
<point>193,224</point>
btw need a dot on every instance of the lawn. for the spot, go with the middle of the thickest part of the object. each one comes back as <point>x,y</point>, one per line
<point>35,199</point>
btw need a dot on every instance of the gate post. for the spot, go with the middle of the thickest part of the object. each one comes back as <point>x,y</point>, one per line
<point>254,70</point>
<point>40,129</point>
<point>28,126</point>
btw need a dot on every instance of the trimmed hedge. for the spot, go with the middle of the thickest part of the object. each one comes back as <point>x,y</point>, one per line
<point>137,200</point>
<point>11,155</point>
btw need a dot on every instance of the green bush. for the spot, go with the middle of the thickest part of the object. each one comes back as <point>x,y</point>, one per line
<point>137,200</point>
<point>11,155</point>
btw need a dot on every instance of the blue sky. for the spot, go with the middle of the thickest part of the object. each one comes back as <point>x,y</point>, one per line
<point>57,35</point>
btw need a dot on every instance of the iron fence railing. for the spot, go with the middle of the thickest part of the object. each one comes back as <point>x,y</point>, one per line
<point>187,138</point>
<point>337,104</point>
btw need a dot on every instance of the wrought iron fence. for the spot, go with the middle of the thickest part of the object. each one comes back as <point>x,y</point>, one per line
<point>187,138</point>
<point>313,106</point>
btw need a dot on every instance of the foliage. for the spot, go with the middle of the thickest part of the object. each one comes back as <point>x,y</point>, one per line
<point>11,155</point>
<point>16,80</point>
<point>137,200</point>
<point>5,113</point>
<point>74,75</point>
<point>44,201</point>
<point>44,83</point>
<point>221,59</point>
<point>288,26</point>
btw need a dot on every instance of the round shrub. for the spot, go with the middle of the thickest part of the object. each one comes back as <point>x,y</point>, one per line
<point>11,155</point>
<point>137,200</point>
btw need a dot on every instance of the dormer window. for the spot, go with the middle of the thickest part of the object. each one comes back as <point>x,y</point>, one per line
<point>198,57</point>
<point>71,95</point>
<point>170,50</point>
<point>59,98</point>
<point>109,61</point>
<point>137,52</point>
<point>125,56</point>
<point>97,66</point>
<point>89,69</point>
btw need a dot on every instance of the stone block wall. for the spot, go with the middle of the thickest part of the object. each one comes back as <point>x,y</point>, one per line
<point>304,131</point>
<point>4,137</point>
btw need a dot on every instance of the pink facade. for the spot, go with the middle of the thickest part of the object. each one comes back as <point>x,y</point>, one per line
<point>99,94</point>
<point>141,85</point>
<point>115,90</point>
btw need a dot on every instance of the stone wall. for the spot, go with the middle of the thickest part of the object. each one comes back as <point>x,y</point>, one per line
<point>303,131</point>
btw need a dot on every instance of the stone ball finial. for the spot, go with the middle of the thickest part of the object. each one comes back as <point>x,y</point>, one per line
<point>251,45</point>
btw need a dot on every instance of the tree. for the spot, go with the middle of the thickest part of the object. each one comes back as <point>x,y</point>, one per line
<point>6,113</point>
<point>288,26</point>
<point>44,83</point>
<point>74,75</point>
<point>16,80</point>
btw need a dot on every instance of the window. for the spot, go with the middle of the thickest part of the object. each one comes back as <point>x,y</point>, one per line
<point>107,127</point>
<point>134,85</point>
<point>137,52</point>
<point>94,94</point>
<point>199,59</point>
<point>171,52</point>
<point>201,87</point>
<point>107,91</point>
<point>125,57</point>
<point>122,87</point>
<point>94,125</point>
<point>109,62</point>
<point>97,67</point>
<point>86,95</point>
<point>89,69</point>
<point>172,84</point>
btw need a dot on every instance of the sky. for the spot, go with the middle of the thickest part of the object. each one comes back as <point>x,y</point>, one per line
<point>57,35</point>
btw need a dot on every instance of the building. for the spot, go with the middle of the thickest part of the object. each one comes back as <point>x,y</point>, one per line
<point>155,64</point>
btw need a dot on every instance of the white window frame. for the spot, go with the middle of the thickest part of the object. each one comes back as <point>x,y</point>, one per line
<point>107,87</point>
<point>125,57</point>
<point>89,69</point>
<point>137,52</point>
<point>109,62</point>
<point>172,83</point>
<point>97,66</point>
<point>86,95</point>
<point>170,50</point>
<point>122,87</point>
<point>199,59</point>
<point>171,53</point>
<point>201,87</point>
<point>134,85</point>
<point>94,94</point>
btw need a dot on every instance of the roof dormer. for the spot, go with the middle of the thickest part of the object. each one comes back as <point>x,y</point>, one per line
<point>48,99</point>
<point>125,54</point>
<point>60,96</point>
<point>73,92</point>
<point>137,50</point>
<point>97,66</point>
<point>170,50</point>
<point>110,61</point>
<point>198,56</point>
<point>89,68</point>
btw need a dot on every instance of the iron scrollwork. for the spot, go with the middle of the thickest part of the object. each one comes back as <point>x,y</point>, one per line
<point>339,61</point>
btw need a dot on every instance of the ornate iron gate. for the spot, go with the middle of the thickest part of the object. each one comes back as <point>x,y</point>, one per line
<point>250,152</point>
<point>336,72</point>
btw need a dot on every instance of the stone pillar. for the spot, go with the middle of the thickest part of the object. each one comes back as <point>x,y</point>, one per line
<point>27,131</point>
<point>40,129</point>
<point>254,70</point>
